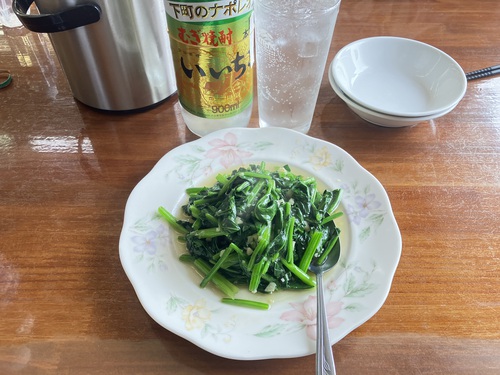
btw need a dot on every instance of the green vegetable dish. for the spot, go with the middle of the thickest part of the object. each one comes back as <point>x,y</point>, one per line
<point>259,229</point>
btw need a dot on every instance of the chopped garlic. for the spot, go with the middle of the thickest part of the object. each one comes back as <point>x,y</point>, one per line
<point>271,287</point>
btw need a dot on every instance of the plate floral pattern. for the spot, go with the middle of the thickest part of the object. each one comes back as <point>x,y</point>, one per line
<point>168,289</point>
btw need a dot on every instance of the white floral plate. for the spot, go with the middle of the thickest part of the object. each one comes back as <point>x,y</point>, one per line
<point>168,289</point>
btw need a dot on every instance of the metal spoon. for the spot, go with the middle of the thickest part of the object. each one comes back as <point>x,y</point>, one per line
<point>325,364</point>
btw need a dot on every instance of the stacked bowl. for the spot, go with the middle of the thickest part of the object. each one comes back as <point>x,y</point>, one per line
<point>396,82</point>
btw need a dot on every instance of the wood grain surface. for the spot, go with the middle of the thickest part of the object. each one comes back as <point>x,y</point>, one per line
<point>66,171</point>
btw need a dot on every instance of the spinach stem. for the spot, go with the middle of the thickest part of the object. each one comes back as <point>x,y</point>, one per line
<point>310,251</point>
<point>258,270</point>
<point>328,248</point>
<point>209,233</point>
<point>223,284</point>
<point>264,236</point>
<point>172,221</point>
<point>256,175</point>
<point>194,190</point>
<point>299,273</point>
<point>227,183</point>
<point>254,193</point>
<point>246,303</point>
<point>332,217</point>
<point>216,267</point>
<point>334,204</point>
<point>290,243</point>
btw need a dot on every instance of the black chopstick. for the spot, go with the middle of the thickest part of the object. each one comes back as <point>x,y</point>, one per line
<point>494,67</point>
<point>485,72</point>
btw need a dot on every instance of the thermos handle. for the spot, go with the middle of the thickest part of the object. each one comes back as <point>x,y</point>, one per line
<point>71,18</point>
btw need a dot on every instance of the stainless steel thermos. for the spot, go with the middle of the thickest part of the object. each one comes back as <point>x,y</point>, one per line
<point>115,54</point>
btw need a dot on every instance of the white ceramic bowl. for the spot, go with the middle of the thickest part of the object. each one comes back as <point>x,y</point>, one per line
<point>378,118</point>
<point>399,77</point>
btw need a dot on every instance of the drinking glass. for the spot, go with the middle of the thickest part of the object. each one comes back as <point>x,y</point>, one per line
<point>293,39</point>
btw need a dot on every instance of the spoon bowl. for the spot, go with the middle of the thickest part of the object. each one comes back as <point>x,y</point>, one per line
<point>325,364</point>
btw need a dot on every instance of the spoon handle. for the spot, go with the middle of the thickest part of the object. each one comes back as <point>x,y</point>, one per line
<point>324,355</point>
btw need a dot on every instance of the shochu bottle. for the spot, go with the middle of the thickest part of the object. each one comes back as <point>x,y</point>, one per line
<point>212,48</point>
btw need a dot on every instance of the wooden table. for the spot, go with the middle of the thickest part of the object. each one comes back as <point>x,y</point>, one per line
<point>66,171</point>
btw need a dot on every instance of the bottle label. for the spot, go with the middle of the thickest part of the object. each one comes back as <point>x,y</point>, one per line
<point>212,48</point>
